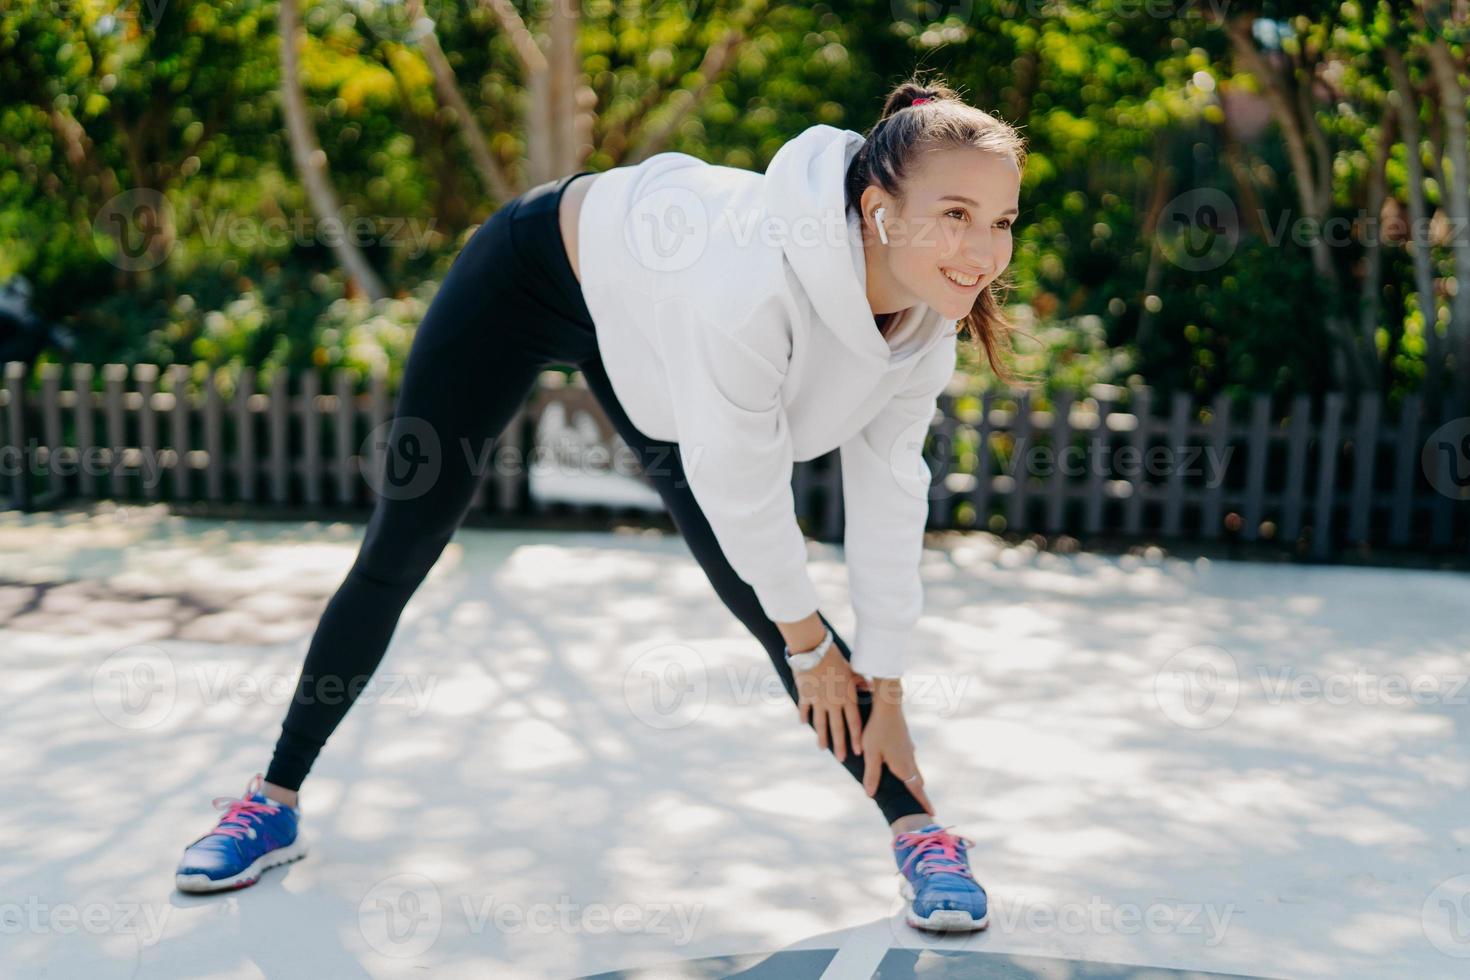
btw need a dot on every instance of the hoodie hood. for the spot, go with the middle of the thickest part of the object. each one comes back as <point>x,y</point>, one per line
<point>806,200</point>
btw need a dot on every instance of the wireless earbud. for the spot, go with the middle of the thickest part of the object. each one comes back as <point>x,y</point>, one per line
<point>882,232</point>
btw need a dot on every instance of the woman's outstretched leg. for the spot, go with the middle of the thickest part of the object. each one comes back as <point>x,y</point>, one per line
<point>464,380</point>
<point>503,313</point>
<point>662,464</point>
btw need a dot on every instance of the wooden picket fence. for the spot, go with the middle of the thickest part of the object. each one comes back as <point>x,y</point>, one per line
<point>1319,479</point>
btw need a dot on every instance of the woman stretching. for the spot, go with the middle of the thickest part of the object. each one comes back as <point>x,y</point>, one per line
<point>730,323</point>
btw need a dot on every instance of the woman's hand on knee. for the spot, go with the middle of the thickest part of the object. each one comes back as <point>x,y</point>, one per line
<point>827,700</point>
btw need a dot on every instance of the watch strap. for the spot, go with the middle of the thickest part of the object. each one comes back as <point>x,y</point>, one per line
<point>808,659</point>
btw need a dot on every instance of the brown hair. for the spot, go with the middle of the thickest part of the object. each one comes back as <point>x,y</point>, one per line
<point>891,148</point>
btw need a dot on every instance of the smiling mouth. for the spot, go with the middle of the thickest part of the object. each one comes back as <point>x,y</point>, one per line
<point>960,279</point>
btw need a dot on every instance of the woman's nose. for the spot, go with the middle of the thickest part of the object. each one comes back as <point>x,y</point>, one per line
<point>985,262</point>
<point>984,257</point>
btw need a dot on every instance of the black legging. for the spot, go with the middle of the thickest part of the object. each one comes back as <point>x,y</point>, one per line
<point>509,307</point>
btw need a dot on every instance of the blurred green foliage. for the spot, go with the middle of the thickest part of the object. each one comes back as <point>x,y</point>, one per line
<point>183,99</point>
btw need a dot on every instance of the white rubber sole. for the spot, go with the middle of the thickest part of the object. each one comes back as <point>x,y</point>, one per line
<point>200,883</point>
<point>941,920</point>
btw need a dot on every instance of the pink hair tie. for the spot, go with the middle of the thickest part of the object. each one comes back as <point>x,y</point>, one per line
<point>920,100</point>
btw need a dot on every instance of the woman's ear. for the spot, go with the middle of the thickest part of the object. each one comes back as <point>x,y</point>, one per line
<point>873,205</point>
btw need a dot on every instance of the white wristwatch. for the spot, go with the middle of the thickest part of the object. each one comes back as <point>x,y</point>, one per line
<point>803,662</point>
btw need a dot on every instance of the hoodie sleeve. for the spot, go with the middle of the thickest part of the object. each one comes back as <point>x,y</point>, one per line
<point>885,494</point>
<point>736,448</point>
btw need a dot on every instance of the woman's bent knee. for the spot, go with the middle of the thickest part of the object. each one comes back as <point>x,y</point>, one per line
<point>399,552</point>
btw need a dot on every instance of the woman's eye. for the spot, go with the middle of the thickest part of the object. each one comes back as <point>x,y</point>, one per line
<point>1005,223</point>
<point>957,211</point>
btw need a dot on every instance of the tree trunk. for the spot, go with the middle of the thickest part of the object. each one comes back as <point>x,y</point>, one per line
<point>311,161</point>
<point>451,198</point>
<point>1371,305</point>
<point>1452,103</point>
<point>1406,100</point>
<point>1162,187</point>
<point>564,78</point>
<point>1294,115</point>
<point>1237,160</point>
<point>492,178</point>
<point>628,141</point>
<point>717,58</point>
<point>534,68</point>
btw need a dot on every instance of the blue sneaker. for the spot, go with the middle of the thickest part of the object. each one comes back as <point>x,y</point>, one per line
<point>254,834</point>
<point>944,895</point>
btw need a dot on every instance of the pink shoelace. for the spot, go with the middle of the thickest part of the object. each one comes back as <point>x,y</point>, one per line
<point>937,851</point>
<point>241,812</point>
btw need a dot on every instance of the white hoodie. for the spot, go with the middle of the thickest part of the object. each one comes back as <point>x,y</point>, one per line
<point>732,318</point>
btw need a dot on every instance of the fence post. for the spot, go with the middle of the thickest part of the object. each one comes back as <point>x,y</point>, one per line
<point>278,410</point>
<point>1296,466</point>
<point>1061,440</point>
<point>311,437</point>
<point>378,420</point>
<point>513,481</point>
<point>113,376</point>
<point>1441,506</point>
<point>15,417</point>
<point>81,382</point>
<point>146,376</point>
<point>1322,510</point>
<point>1099,441</point>
<point>980,492</point>
<point>1219,445</point>
<point>178,375</point>
<point>7,483</point>
<point>1365,459</point>
<point>51,428</point>
<point>245,434</point>
<point>214,441</point>
<point>1021,478</point>
<point>1180,411</point>
<point>1255,477</point>
<point>548,383</point>
<point>1405,466</point>
<point>1133,511</point>
<point>345,430</point>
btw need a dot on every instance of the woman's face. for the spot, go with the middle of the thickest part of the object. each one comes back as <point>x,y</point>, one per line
<point>955,224</point>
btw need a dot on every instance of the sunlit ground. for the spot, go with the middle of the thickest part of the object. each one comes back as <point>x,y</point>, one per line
<point>573,759</point>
